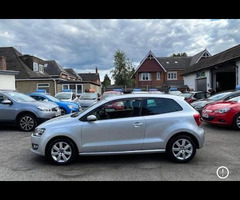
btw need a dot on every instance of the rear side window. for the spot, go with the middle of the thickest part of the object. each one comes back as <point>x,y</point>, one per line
<point>155,106</point>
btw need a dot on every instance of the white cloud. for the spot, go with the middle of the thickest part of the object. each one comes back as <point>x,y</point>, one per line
<point>84,44</point>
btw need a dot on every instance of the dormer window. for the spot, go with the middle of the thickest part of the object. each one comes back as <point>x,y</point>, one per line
<point>35,67</point>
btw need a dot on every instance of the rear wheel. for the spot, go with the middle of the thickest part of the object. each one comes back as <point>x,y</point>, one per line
<point>61,151</point>
<point>27,122</point>
<point>181,149</point>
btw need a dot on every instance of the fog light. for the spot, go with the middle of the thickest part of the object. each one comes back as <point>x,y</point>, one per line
<point>35,146</point>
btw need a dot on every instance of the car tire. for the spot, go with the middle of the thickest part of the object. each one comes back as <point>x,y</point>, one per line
<point>27,122</point>
<point>236,121</point>
<point>61,151</point>
<point>181,149</point>
<point>63,111</point>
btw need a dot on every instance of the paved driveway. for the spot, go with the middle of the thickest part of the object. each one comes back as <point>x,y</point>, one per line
<point>222,148</point>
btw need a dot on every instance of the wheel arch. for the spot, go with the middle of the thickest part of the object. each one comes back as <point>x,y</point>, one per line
<point>25,112</point>
<point>60,137</point>
<point>187,134</point>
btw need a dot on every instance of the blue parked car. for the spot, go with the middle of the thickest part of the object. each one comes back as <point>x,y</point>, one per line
<point>66,107</point>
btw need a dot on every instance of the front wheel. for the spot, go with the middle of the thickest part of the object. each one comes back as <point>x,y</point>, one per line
<point>61,151</point>
<point>27,122</point>
<point>236,122</point>
<point>181,149</point>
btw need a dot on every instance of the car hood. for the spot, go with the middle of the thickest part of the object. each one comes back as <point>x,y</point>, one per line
<point>202,102</point>
<point>42,104</point>
<point>57,122</point>
<point>220,105</point>
<point>67,103</point>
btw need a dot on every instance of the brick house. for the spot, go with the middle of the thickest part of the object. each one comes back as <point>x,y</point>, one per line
<point>164,72</point>
<point>35,73</point>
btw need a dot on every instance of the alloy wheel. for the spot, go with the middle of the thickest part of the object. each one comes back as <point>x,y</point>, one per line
<point>182,149</point>
<point>27,123</point>
<point>61,152</point>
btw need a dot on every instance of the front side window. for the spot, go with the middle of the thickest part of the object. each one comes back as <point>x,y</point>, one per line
<point>118,109</point>
<point>155,106</point>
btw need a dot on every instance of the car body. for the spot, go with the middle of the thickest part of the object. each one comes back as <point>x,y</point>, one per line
<point>152,123</point>
<point>87,99</point>
<point>66,96</point>
<point>22,110</point>
<point>110,93</point>
<point>66,107</point>
<point>226,113</point>
<point>221,96</point>
<point>194,95</point>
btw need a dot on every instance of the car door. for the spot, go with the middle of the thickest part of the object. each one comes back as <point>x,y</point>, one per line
<point>117,128</point>
<point>8,112</point>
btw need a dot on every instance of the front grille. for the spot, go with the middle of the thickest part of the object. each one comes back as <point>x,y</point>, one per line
<point>209,118</point>
<point>55,109</point>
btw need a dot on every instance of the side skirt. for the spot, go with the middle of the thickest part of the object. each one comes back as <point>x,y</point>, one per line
<point>123,152</point>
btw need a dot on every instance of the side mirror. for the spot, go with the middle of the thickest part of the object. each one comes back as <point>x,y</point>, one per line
<point>6,101</point>
<point>91,118</point>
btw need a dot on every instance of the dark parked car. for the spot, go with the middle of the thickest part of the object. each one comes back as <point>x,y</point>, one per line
<point>195,95</point>
<point>221,96</point>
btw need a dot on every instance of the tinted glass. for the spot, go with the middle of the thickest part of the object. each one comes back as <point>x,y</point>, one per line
<point>118,109</point>
<point>154,106</point>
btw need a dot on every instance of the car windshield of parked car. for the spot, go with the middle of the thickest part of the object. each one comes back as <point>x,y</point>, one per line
<point>175,92</point>
<point>105,95</point>
<point>235,99</point>
<point>52,98</point>
<point>186,95</point>
<point>64,96</point>
<point>19,97</point>
<point>217,97</point>
<point>88,96</point>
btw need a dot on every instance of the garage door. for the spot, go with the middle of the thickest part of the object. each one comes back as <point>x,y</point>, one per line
<point>201,84</point>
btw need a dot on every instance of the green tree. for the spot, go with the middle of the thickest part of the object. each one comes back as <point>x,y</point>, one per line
<point>123,71</point>
<point>107,81</point>
<point>180,55</point>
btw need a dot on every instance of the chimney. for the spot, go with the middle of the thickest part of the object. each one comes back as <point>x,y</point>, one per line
<point>3,65</point>
<point>96,70</point>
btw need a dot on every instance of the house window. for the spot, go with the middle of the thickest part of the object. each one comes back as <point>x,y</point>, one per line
<point>43,86</point>
<point>76,88</point>
<point>158,76</point>
<point>41,68</point>
<point>35,67</point>
<point>172,75</point>
<point>145,76</point>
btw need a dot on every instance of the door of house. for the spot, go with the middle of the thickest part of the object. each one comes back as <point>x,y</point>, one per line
<point>201,84</point>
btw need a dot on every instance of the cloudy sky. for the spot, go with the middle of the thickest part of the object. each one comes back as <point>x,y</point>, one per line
<point>83,44</point>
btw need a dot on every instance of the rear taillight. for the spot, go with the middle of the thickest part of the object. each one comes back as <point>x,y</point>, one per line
<point>197,118</point>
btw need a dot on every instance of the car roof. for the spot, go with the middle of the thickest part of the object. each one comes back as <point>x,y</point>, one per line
<point>141,95</point>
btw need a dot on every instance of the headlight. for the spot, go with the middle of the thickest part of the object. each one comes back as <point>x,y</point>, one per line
<point>71,106</point>
<point>44,108</point>
<point>223,110</point>
<point>38,132</point>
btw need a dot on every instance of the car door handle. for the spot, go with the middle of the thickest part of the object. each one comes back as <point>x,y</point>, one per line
<point>137,124</point>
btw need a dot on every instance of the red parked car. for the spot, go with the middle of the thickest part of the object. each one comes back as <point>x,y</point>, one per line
<point>225,113</point>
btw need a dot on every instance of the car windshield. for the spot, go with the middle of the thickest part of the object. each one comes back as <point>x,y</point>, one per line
<point>186,95</point>
<point>52,98</point>
<point>88,96</point>
<point>219,96</point>
<point>105,95</point>
<point>19,97</point>
<point>65,95</point>
<point>175,92</point>
<point>235,99</point>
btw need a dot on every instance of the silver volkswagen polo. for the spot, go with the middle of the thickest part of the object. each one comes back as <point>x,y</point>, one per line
<point>126,124</point>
